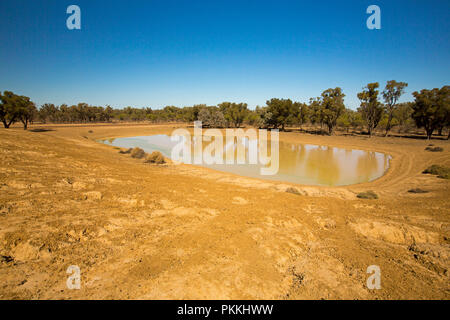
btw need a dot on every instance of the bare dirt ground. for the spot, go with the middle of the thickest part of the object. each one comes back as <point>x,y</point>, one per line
<point>141,231</point>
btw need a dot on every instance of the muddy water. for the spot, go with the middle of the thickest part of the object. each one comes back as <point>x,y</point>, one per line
<point>298,163</point>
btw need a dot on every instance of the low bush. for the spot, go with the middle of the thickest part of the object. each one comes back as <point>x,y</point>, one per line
<point>292,190</point>
<point>441,172</point>
<point>125,151</point>
<point>367,195</point>
<point>137,153</point>
<point>417,190</point>
<point>155,157</point>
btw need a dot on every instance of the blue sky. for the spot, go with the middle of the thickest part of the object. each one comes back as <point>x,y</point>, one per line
<point>157,53</point>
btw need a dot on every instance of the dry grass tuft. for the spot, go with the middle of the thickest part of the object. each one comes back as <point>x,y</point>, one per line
<point>125,151</point>
<point>367,195</point>
<point>434,149</point>
<point>417,190</point>
<point>137,153</point>
<point>292,190</point>
<point>155,157</point>
<point>441,172</point>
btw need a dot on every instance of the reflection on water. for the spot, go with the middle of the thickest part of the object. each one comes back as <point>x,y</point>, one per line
<point>298,163</point>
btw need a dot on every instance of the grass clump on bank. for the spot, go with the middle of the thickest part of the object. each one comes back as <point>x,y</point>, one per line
<point>293,191</point>
<point>125,151</point>
<point>417,190</point>
<point>155,157</point>
<point>441,172</point>
<point>367,195</point>
<point>137,153</point>
<point>434,149</point>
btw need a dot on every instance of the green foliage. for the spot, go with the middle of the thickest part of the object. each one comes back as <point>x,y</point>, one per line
<point>371,109</point>
<point>316,114</point>
<point>392,92</point>
<point>402,115</point>
<point>14,107</point>
<point>431,109</point>
<point>346,119</point>
<point>234,113</point>
<point>8,108</point>
<point>27,111</point>
<point>279,113</point>
<point>332,104</point>
<point>301,112</point>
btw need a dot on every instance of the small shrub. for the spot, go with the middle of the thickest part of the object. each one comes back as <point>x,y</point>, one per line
<point>90,131</point>
<point>125,151</point>
<point>292,190</point>
<point>434,149</point>
<point>417,190</point>
<point>441,172</point>
<point>367,195</point>
<point>137,153</point>
<point>155,157</point>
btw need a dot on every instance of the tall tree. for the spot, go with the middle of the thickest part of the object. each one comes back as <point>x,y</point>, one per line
<point>49,112</point>
<point>26,111</point>
<point>234,113</point>
<point>403,113</point>
<point>301,112</point>
<point>430,108</point>
<point>444,100</point>
<point>371,109</point>
<point>391,94</point>
<point>279,112</point>
<point>332,107</point>
<point>316,111</point>
<point>9,108</point>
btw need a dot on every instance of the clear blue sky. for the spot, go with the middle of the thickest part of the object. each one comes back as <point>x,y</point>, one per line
<point>157,53</point>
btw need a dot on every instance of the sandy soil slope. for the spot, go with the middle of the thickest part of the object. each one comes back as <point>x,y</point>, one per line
<point>141,231</point>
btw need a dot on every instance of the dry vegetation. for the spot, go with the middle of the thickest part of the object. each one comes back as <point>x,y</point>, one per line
<point>179,231</point>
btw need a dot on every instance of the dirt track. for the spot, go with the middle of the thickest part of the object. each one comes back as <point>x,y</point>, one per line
<point>141,231</point>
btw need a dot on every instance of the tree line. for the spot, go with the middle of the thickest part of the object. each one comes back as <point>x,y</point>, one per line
<point>430,110</point>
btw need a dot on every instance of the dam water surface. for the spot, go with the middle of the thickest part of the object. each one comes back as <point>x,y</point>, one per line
<point>298,163</point>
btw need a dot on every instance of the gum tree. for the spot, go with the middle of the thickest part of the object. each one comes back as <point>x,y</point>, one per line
<point>332,107</point>
<point>371,109</point>
<point>234,113</point>
<point>391,94</point>
<point>301,112</point>
<point>9,108</point>
<point>279,112</point>
<point>26,111</point>
<point>431,109</point>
